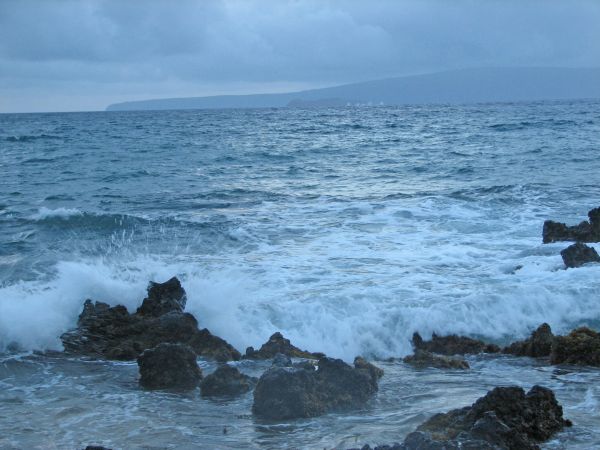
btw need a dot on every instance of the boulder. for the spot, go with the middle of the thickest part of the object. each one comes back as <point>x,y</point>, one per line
<point>421,359</point>
<point>169,366</point>
<point>581,346</point>
<point>578,254</point>
<point>226,381</point>
<point>584,232</point>
<point>277,344</point>
<point>539,344</point>
<point>287,393</point>
<point>453,345</point>
<point>163,298</point>
<point>112,333</point>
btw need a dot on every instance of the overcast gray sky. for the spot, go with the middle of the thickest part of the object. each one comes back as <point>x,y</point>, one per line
<point>67,55</point>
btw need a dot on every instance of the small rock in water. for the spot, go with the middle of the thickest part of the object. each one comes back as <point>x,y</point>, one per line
<point>581,346</point>
<point>584,232</point>
<point>226,381</point>
<point>281,360</point>
<point>277,344</point>
<point>96,447</point>
<point>287,393</point>
<point>422,359</point>
<point>169,366</point>
<point>453,345</point>
<point>539,344</point>
<point>578,254</point>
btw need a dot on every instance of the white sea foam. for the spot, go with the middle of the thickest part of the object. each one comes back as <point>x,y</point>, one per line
<point>46,213</point>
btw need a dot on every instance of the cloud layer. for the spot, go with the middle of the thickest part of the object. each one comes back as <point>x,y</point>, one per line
<point>78,54</point>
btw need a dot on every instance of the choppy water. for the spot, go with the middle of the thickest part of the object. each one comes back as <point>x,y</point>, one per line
<point>347,229</point>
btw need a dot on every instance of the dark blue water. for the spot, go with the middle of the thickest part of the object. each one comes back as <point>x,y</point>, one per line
<point>347,229</point>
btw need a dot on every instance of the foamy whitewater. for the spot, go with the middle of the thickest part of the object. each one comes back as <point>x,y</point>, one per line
<point>345,229</point>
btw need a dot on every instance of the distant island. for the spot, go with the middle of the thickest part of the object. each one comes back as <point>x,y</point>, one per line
<point>452,87</point>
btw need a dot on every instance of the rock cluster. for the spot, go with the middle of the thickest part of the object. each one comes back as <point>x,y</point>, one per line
<point>169,366</point>
<point>226,381</point>
<point>277,344</point>
<point>506,418</point>
<point>453,345</point>
<point>422,358</point>
<point>112,333</point>
<point>578,254</point>
<point>287,393</point>
<point>584,232</point>
<point>581,346</point>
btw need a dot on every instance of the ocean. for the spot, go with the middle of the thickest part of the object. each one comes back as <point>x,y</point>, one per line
<point>347,229</point>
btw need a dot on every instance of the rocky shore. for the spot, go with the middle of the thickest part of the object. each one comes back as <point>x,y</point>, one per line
<point>166,342</point>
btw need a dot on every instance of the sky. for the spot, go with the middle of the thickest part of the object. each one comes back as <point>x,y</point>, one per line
<point>75,55</point>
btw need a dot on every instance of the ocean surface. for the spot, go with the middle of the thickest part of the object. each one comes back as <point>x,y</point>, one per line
<point>345,229</point>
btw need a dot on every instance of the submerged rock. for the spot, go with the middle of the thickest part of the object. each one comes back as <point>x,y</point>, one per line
<point>453,345</point>
<point>277,344</point>
<point>504,419</point>
<point>112,333</point>
<point>287,393</point>
<point>226,381</point>
<point>169,366</point>
<point>422,359</point>
<point>581,346</point>
<point>539,344</point>
<point>578,254</point>
<point>584,232</point>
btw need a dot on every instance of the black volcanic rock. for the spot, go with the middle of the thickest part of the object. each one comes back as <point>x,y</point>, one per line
<point>163,298</point>
<point>453,345</point>
<point>277,344</point>
<point>169,366</point>
<point>506,418</point>
<point>581,346</point>
<point>578,254</point>
<point>112,333</point>
<point>421,359</point>
<point>539,344</point>
<point>226,381</point>
<point>287,393</point>
<point>584,232</point>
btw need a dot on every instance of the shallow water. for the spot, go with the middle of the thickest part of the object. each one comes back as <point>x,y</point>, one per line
<point>346,229</point>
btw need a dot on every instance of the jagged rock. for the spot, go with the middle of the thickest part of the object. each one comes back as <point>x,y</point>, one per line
<point>504,419</point>
<point>278,344</point>
<point>581,346</point>
<point>286,393</point>
<point>281,360</point>
<point>163,298</point>
<point>169,366</point>
<point>375,372</point>
<point>539,344</point>
<point>584,232</point>
<point>112,333</point>
<point>422,359</point>
<point>453,345</point>
<point>226,381</point>
<point>578,254</point>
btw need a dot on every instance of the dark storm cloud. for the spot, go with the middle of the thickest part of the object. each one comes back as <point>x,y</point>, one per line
<point>84,54</point>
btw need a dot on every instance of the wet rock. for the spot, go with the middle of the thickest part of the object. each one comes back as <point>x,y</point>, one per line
<point>421,359</point>
<point>375,372</point>
<point>584,232</point>
<point>539,344</point>
<point>163,298</point>
<point>277,344</point>
<point>281,360</point>
<point>505,417</point>
<point>112,333</point>
<point>286,393</point>
<point>578,254</point>
<point>453,345</point>
<point>96,447</point>
<point>581,346</point>
<point>226,381</point>
<point>169,366</point>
